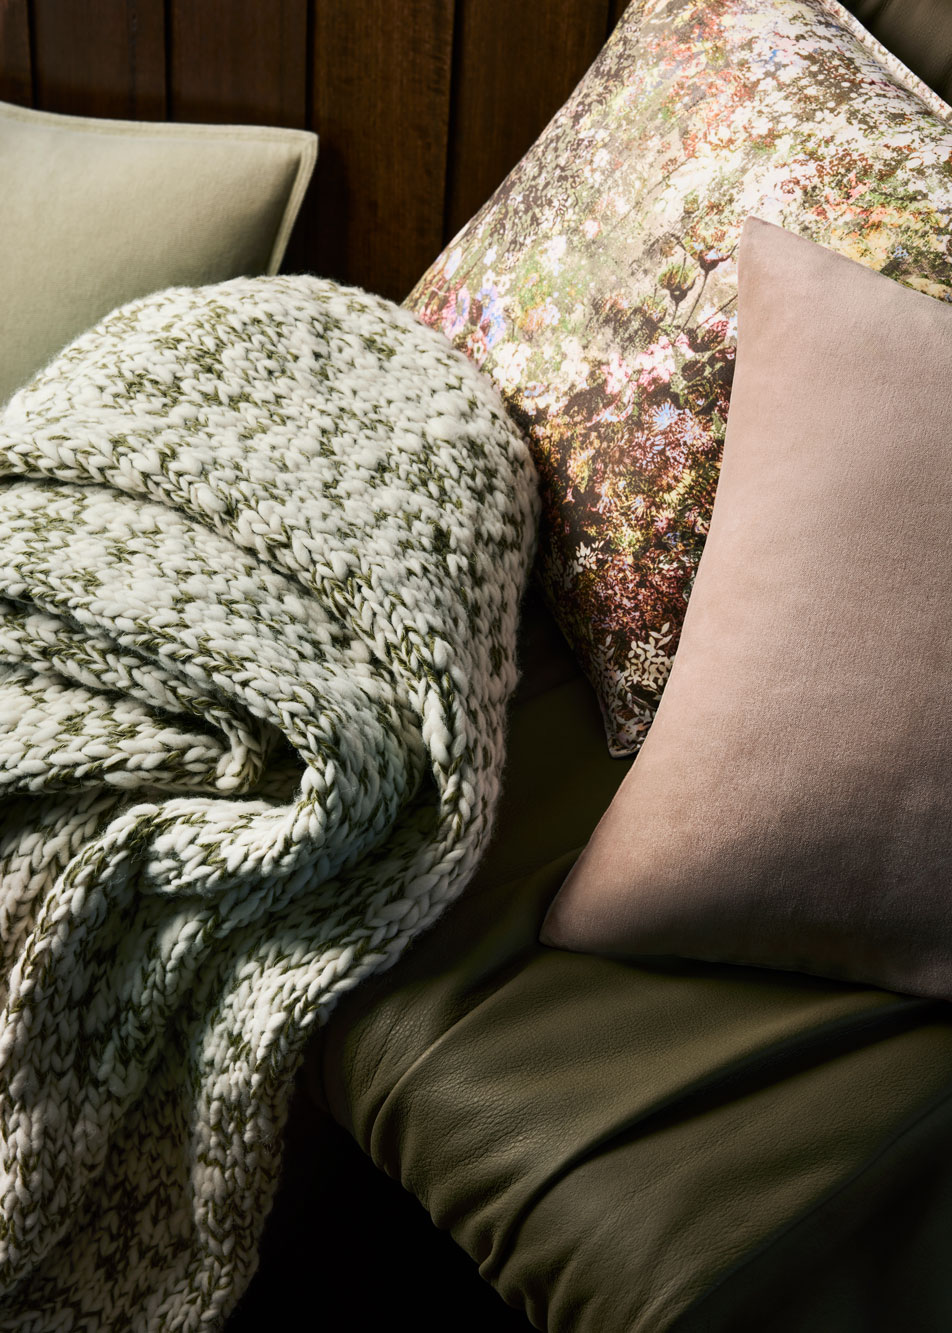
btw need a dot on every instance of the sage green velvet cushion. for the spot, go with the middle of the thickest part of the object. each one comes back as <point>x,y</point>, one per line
<point>625,1148</point>
<point>94,213</point>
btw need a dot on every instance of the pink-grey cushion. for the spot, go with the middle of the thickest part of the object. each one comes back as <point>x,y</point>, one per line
<point>791,806</point>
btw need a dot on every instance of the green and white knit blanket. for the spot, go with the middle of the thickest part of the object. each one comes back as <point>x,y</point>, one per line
<point>262,546</point>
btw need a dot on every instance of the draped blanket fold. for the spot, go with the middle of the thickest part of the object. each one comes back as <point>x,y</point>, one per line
<point>262,547</point>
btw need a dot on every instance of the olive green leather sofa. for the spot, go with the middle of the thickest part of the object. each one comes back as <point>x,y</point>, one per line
<point>618,1149</point>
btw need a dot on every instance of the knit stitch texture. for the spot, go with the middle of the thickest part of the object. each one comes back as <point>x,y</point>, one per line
<point>262,547</point>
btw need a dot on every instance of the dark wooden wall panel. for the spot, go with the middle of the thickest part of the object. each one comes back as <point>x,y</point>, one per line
<point>615,10</point>
<point>515,65</point>
<point>100,58</point>
<point>244,62</point>
<point>15,75</point>
<point>381,97</point>
<point>238,62</point>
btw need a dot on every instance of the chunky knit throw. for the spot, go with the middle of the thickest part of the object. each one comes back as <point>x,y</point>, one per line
<point>262,546</point>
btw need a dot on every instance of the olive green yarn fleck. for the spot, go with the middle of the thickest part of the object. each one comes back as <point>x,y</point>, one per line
<point>262,546</point>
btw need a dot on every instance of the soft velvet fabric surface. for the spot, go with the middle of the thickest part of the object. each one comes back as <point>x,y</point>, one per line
<point>597,287</point>
<point>94,213</point>
<point>791,806</point>
<point>613,1143</point>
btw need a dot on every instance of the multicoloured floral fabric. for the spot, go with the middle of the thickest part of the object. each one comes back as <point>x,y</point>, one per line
<point>597,287</point>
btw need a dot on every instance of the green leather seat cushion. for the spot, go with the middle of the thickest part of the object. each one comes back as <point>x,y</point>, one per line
<point>626,1147</point>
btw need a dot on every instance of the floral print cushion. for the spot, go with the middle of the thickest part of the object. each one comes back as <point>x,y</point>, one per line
<point>597,287</point>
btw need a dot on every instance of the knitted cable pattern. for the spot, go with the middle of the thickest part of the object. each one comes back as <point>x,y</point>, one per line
<point>262,546</point>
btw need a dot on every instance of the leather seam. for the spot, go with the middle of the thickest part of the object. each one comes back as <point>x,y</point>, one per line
<point>686,1321</point>
<point>722,1077</point>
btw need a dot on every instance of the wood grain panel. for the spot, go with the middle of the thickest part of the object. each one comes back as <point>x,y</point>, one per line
<point>243,62</point>
<point>15,77</point>
<point>381,96</point>
<point>615,10</point>
<point>100,58</point>
<point>238,62</point>
<point>514,66</point>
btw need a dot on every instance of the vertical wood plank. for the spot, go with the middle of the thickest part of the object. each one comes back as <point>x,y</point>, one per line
<point>241,62</point>
<point>100,58</point>
<point>381,98</point>
<point>238,62</point>
<point>615,10</point>
<point>515,64</point>
<point>15,75</point>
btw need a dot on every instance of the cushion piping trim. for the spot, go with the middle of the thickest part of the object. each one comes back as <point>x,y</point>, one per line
<point>900,73</point>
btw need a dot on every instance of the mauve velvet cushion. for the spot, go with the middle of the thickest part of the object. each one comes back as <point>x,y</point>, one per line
<point>791,806</point>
